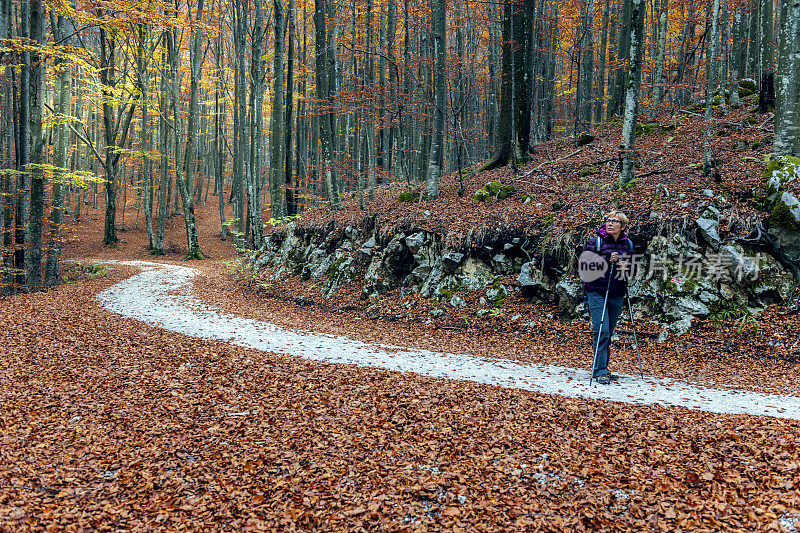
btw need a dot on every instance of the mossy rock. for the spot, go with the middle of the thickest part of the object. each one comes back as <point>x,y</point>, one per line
<point>645,129</point>
<point>652,127</point>
<point>492,190</point>
<point>787,167</point>
<point>747,87</point>
<point>779,173</point>
<point>585,138</point>
<point>409,197</point>
<point>588,172</point>
<point>786,213</point>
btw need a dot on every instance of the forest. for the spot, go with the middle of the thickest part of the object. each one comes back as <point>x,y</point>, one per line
<point>277,107</point>
<point>387,330</point>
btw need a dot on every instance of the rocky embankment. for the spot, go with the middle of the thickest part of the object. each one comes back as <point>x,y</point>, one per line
<point>686,268</point>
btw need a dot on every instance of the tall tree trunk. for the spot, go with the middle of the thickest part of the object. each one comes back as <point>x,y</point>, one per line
<point>787,101</point>
<point>369,125</point>
<point>600,83</point>
<point>289,180</point>
<point>239,124</point>
<point>766,93</point>
<point>658,80</point>
<point>218,159</point>
<point>586,69</point>
<point>163,140</point>
<point>325,84</point>
<point>6,155</point>
<point>33,253</point>
<point>301,150</point>
<point>393,74</point>
<point>60,147</point>
<point>632,88</point>
<point>623,54</point>
<point>23,201</point>
<point>115,137</point>
<point>438,21</point>
<point>711,84</point>
<point>186,183</point>
<point>277,161</point>
<point>513,133</point>
<point>145,177</point>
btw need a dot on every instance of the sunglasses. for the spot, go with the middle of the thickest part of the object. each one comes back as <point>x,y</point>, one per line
<point>613,221</point>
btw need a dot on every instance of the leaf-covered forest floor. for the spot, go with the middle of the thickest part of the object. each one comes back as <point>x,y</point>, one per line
<point>111,424</point>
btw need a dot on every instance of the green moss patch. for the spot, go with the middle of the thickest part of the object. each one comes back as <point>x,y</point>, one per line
<point>492,190</point>
<point>410,196</point>
<point>782,217</point>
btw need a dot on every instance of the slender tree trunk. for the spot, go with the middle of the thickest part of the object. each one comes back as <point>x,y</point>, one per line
<point>514,119</point>
<point>185,184</point>
<point>291,184</point>
<point>6,154</point>
<point>145,178</point>
<point>766,93</point>
<point>60,147</point>
<point>218,160</point>
<point>33,253</point>
<point>277,163</point>
<point>623,55</point>
<point>438,21</point>
<point>239,121</point>
<point>23,201</point>
<point>391,30</point>
<point>586,69</point>
<point>711,83</point>
<point>163,140</point>
<point>369,125</point>
<point>324,95</point>
<point>114,137</point>
<point>632,89</point>
<point>600,84</point>
<point>301,150</point>
<point>658,80</point>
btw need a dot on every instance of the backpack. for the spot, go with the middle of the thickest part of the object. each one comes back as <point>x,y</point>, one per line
<point>599,243</point>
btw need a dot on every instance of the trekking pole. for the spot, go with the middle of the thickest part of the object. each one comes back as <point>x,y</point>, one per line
<point>633,327</point>
<point>602,319</point>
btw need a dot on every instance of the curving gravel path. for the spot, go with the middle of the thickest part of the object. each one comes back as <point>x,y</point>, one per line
<point>160,296</point>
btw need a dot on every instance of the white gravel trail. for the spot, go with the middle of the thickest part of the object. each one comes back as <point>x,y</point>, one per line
<point>160,295</point>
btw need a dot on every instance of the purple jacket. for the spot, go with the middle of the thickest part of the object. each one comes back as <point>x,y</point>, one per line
<point>609,246</point>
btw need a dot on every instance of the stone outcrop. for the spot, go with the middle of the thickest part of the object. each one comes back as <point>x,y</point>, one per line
<point>678,278</point>
<point>782,175</point>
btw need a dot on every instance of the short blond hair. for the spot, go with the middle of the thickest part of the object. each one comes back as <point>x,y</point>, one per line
<point>621,216</point>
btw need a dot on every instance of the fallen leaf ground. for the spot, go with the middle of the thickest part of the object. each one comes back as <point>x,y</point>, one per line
<point>108,424</point>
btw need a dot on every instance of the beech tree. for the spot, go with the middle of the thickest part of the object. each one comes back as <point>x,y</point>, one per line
<point>347,107</point>
<point>513,129</point>
<point>787,83</point>
<point>438,21</point>
<point>632,88</point>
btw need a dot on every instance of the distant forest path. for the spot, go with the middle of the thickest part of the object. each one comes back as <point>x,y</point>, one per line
<point>160,295</point>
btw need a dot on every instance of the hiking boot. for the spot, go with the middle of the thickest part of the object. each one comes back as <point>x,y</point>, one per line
<point>613,377</point>
<point>604,379</point>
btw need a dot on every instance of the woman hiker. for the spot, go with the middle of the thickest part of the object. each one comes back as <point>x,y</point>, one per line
<point>613,245</point>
